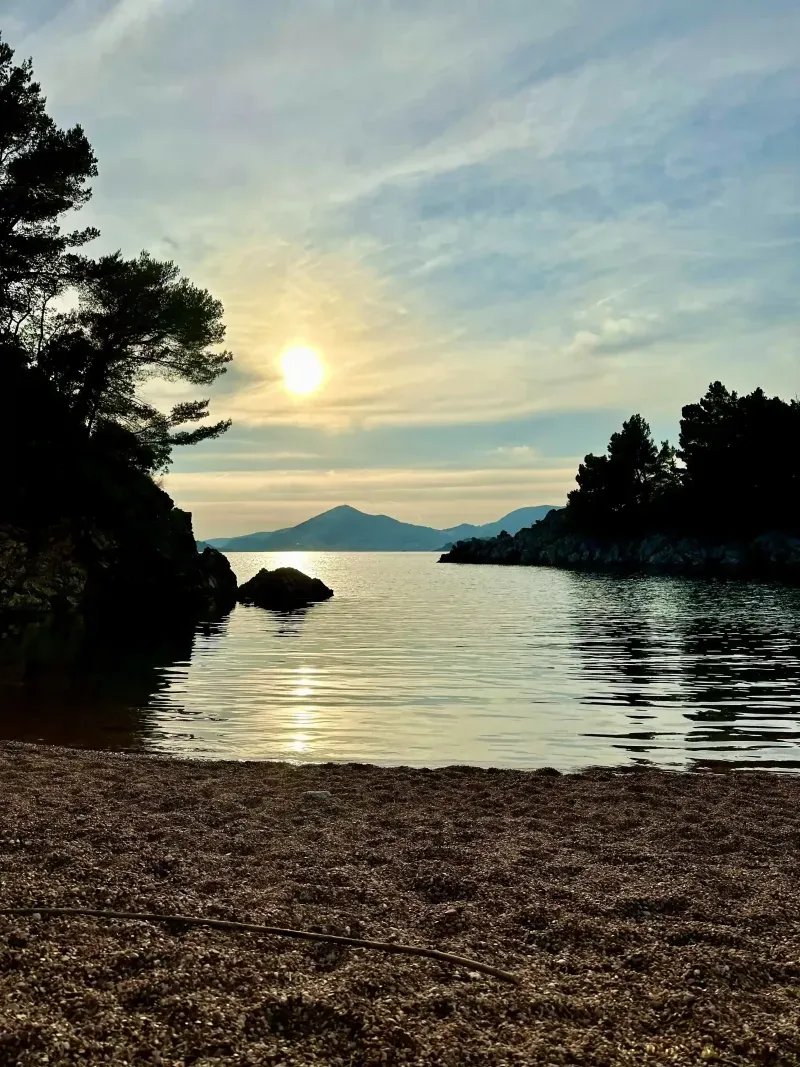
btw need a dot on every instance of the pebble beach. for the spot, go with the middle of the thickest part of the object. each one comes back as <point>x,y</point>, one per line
<point>650,917</point>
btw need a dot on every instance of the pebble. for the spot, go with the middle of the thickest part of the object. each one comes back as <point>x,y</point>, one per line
<point>448,845</point>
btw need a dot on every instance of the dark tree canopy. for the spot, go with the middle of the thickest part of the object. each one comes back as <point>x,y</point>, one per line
<point>138,319</point>
<point>625,485</point>
<point>739,471</point>
<point>130,320</point>
<point>43,174</point>
<point>742,460</point>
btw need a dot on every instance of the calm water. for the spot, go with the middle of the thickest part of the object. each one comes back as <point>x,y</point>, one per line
<point>417,663</point>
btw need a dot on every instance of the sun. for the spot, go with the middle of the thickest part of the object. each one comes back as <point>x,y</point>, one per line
<point>302,370</point>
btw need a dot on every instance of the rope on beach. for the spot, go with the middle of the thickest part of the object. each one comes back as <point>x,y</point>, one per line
<point>278,931</point>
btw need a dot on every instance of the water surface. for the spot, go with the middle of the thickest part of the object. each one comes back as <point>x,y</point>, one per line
<point>419,663</point>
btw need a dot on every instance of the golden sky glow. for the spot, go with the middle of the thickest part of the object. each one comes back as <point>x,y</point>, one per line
<point>575,213</point>
<point>302,368</point>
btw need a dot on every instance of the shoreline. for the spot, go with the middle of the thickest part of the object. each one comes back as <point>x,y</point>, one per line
<point>650,915</point>
<point>768,557</point>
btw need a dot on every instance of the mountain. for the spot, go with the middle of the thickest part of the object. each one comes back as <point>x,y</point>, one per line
<point>346,529</point>
<point>511,523</point>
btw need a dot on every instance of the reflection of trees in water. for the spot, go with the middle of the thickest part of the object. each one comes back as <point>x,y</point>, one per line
<point>740,664</point>
<point>728,651</point>
<point>623,651</point>
<point>73,684</point>
<point>619,644</point>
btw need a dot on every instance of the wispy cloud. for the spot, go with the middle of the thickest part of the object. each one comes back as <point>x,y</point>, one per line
<point>103,33</point>
<point>130,18</point>
<point>515,453</point>
<point>479,213</point>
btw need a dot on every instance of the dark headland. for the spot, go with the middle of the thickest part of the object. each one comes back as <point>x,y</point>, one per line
<point>84,526</point>
<point>725,503</point>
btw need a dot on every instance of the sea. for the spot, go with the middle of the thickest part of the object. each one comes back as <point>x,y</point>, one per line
<point>425,664</point>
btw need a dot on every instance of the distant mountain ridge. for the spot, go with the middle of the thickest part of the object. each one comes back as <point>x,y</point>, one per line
<point>345,529</point>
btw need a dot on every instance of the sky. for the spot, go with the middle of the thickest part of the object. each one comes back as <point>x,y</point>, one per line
<point>504,226</point>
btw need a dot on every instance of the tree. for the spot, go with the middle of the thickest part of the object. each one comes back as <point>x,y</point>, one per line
<point>138,319</point>
<point>626,485</point>
<point>132,319</point>
<point>707,432</point>
<point>78,440</point>
<point>742,461</point>
<point>43,174</point>
<point>156,434</point>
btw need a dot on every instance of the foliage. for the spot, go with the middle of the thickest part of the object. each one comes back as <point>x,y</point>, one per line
<point>626,486</point>
<point>742,465</point>
<point>43,174</point>
<point>739,471</point>
<point>136,319</point>
<point>71,380</point>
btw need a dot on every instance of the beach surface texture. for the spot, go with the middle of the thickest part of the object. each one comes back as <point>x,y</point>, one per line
<point>651,917</point>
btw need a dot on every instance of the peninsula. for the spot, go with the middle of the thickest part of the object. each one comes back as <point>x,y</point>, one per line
<point>724,503</point>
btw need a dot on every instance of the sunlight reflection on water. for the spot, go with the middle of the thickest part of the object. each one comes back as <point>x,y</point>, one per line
<point>417,663</point>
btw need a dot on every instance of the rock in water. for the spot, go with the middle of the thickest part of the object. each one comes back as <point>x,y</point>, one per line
<point>217,579</point>
<point>284,589</point>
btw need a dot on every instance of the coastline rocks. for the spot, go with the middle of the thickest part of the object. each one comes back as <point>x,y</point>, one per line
<point>774,556</point>
<point>217,580</point>
<point>42,575</point>
<point>283,589</point>
<point>152,564</point>
<point>76,567</point>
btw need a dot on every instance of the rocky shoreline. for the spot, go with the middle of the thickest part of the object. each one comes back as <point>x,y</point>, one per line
<point>650,916</point>
<point>76,567</point>
<point>771,556</point>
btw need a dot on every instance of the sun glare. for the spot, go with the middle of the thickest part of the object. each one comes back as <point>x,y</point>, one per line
<point>302,370</point>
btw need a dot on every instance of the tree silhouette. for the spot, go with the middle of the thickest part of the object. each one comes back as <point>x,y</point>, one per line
<point>626,485</point>
<point>742,463</point>
<point>129,320</point>
<point>739,472</point>
<point>138,319</point>
<point>43,174</point>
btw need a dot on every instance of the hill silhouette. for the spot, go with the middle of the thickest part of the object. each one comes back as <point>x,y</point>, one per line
<point>346,529</point>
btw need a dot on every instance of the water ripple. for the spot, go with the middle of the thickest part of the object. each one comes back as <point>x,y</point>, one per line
<point>417,663</point>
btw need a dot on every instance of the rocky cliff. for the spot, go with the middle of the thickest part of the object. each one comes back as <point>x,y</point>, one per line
<point>552,544</point>
<point>146,564</point>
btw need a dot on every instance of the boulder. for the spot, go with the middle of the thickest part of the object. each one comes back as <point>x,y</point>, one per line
<point>283,589</point>
<point>217,580</point>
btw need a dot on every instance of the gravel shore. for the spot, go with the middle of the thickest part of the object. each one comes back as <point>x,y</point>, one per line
<point>653,918</point>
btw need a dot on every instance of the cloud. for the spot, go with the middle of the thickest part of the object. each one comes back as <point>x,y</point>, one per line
<point>477,213</point>
<point>515,453</point>
<point>613,336</point>
<point>113,39</point>
<point>389,360</point>
<point>130,18</point>
<point>264,457</point>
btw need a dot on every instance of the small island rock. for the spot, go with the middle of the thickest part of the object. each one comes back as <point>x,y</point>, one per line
<point>284,589</point>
